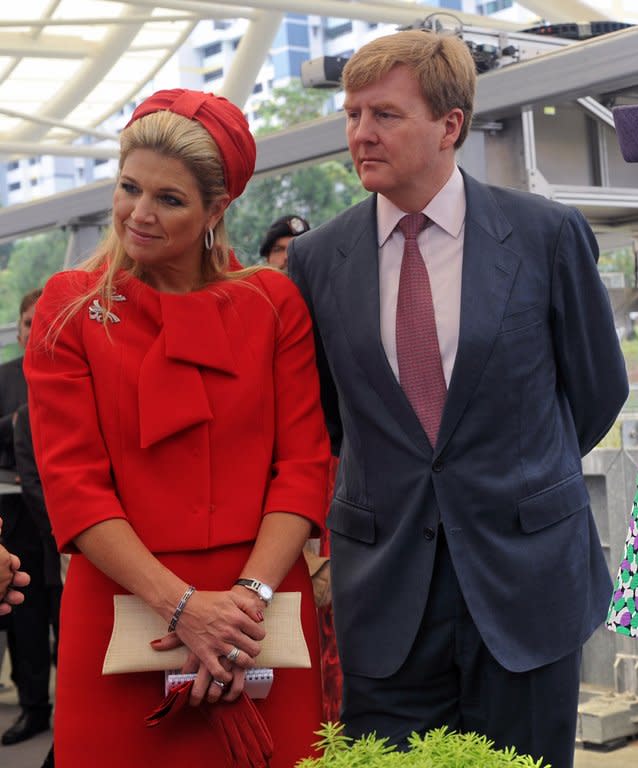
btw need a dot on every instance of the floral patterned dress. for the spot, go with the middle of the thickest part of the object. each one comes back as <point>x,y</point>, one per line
<point>623,610</point>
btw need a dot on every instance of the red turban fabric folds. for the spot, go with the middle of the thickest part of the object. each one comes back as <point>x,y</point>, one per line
<point>222,119</point>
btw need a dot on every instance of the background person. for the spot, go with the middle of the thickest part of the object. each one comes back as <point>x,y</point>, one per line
<point>466,367</point>
<point>622,616</point>
<point>49,563</point>
<point>27,629</point>
<point>275,243</point>
<point>180,440</point>
<point>46,600</point>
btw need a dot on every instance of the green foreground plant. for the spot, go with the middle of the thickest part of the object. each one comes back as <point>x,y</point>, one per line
<point>439,748</point>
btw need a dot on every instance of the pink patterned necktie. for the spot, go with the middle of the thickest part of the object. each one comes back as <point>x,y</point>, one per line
<point>420,369</point>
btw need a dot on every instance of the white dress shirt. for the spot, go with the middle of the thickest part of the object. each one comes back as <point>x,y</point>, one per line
<point>441,245</point>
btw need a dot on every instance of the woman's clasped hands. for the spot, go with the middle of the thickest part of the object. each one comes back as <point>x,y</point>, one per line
<point>223,632</point>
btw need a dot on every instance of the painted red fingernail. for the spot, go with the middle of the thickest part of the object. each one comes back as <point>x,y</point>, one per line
<point>260,615</point>
<point>156,642</point>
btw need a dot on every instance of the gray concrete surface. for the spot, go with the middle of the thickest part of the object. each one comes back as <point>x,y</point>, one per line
<point>28,754</point>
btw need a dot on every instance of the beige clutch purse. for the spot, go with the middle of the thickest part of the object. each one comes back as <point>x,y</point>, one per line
<point>135,625</point>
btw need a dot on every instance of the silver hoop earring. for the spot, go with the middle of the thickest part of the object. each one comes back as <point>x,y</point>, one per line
<point>209,239</point>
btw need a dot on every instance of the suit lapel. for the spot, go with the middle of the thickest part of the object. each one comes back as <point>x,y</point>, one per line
<point>355,283</point>
<point>489,269</point>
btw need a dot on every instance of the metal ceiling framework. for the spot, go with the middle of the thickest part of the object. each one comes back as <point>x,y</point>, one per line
<point>112,39</point>
<point>569,72</point>
<point>66,66</point>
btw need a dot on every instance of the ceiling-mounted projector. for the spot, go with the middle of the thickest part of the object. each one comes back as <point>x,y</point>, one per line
<point>323,72</point>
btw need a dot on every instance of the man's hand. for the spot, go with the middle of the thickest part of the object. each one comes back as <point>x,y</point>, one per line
<point>10,576</point>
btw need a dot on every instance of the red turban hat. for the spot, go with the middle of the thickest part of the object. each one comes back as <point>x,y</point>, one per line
<point>222,119</point>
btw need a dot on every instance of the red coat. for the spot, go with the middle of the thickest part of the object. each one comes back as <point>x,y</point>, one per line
<point>191,417</point>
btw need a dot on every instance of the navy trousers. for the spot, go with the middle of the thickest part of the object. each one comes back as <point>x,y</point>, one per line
<point>450,678</point>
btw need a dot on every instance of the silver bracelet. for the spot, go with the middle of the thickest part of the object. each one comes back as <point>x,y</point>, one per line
<point>180,608</point>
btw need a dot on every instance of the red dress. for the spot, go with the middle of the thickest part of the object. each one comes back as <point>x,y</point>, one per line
<point>193,417</point>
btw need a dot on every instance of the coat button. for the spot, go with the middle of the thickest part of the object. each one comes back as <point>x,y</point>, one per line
<point>437,466</point>
<point>428,534</point>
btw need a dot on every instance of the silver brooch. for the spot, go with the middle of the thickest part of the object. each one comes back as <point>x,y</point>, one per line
<point>101,314</point>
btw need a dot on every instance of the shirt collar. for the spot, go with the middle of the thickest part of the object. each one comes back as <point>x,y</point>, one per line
<point>446,209</point>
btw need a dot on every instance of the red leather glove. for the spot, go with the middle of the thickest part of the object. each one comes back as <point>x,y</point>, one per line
<point>239,728</point>
<point>241,732</point>
<point>172,703</point>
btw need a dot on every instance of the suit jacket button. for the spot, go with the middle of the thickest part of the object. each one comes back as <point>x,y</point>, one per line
<point>428,534</point>
<point>437,466</point>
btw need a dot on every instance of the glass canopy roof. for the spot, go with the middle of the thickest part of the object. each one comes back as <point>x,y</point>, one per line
<point>68,65</point>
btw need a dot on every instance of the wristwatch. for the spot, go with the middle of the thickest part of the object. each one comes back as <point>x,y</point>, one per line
<point>263,590</point>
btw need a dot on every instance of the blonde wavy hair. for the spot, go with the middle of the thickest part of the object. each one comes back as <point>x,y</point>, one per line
<point>177,137</point>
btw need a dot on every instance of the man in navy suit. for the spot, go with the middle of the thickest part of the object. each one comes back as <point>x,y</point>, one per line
<point>466,568</point>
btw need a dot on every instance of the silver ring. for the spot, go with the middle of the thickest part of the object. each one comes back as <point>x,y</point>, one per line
<point>219,683</point>
<point>233,654</point>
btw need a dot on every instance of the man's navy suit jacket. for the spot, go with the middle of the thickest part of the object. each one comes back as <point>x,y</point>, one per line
<point>538,380</point>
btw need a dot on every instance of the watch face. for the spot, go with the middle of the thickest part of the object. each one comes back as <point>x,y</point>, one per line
<point>265,592</point>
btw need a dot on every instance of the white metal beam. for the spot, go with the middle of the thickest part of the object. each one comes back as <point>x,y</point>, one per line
<point>251,52</point>
<point>201,8</point>
<point>597,110</point>
<point>382,12</point>
<point>97,20</point>
<point>45,46</point>
<point>558,11</point>
<point>37,148</point>
<point>89,75</point>
<point>77,129</point>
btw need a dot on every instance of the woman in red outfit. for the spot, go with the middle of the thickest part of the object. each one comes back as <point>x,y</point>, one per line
<point>181,444</point>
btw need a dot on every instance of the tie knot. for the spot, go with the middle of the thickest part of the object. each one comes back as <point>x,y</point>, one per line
<point>411,224</point>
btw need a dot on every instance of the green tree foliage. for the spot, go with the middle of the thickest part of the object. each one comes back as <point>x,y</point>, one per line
<point>28,265</point>
<point>315,192</point>
<point>620,260</point>
<point>31,262</point>
<point>291,104</point>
